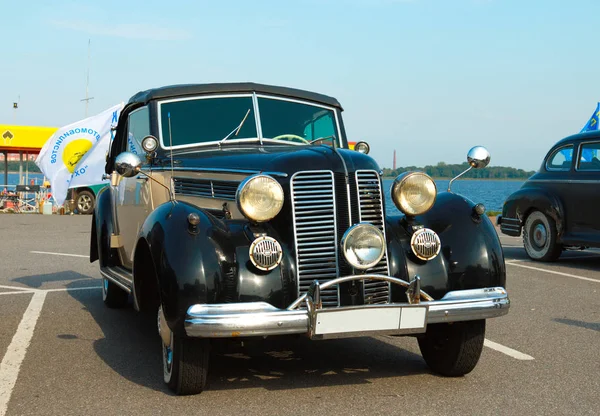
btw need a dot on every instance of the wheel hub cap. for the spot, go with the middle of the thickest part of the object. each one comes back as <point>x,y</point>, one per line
<point>540,235</point>
<point>85,202</point>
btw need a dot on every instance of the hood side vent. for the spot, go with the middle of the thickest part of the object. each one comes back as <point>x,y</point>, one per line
<point>206,188</point>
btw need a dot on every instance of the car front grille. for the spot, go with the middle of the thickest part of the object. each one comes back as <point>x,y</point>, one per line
<point>321,216</point>
<point>370,209</point>
<point>314,207</point>
<point>206,188</point>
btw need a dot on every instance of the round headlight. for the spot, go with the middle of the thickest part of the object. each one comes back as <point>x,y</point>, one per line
<point>414,193</point>
<point>363,246</point>
<point>260,198</point>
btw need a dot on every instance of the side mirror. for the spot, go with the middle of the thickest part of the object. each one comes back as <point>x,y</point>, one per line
<point>478,157</point>
<point>128,164</point>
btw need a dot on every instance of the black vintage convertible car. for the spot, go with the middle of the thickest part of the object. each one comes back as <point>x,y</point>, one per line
<point>238,210</point>
<point>557,208</point>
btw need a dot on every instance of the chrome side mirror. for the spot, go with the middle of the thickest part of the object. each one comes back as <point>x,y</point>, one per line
<point>128,164</point>
<point>478,157</point>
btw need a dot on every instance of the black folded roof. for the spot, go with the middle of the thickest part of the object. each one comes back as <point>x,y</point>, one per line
<point>202,89</point>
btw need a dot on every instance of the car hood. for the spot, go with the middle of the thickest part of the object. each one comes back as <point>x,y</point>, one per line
<point>284,159</point>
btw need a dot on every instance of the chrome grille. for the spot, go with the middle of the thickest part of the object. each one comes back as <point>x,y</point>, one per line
<point>206,188</point>
<point>313,205</point>
<point>370,209</point>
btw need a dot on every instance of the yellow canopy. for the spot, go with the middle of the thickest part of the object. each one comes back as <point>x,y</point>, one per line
<point>26,138</point>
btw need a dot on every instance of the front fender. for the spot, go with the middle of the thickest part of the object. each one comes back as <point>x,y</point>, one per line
<point>471,255</point>
<point>519,204</point>
<point>189,261</point>
<point>102,230</point>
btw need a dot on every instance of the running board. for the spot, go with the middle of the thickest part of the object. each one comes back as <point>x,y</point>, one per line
<point>118,276</point>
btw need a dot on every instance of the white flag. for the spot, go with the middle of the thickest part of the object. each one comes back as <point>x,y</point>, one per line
<point>76,153</point>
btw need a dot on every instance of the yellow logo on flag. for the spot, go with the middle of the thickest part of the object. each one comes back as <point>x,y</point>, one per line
<point>74,151</point>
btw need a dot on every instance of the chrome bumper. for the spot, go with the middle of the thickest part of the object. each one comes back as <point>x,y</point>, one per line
<point>249,319</point>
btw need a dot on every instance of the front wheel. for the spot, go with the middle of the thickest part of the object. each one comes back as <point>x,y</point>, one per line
<point>453,350</point>
<point>185,361</point>
<point>540,237</point>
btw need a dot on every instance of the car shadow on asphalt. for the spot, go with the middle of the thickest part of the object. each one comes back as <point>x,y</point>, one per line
<point>37,281</point>
<point>594,326</point>
<point>131,347</point>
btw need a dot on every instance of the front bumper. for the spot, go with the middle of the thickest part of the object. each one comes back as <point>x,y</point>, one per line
<point>249,319</point>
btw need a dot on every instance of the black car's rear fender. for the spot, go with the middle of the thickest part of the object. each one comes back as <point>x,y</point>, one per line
<point>471,255</point>
<point>526,200</point>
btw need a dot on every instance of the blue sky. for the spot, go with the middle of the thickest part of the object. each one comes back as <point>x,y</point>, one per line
<point>429,78</point>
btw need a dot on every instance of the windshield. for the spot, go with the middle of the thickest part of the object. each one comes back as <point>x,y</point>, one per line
<point>296,122</point>
<point>207,120</point>
<point>212,119</point>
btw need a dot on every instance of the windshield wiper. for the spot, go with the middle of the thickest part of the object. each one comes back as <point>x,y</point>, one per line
<point>332,138</point>
<point>237,128</point>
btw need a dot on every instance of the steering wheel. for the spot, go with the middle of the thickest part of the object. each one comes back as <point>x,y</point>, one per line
<point>291,137</point>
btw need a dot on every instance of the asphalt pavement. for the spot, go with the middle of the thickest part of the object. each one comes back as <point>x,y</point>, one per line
<point>64,353</point>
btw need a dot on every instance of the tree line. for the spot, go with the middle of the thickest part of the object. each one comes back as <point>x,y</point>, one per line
<point>443,170</point>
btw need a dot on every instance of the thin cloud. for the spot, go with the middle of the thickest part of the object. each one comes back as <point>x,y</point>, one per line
<point>126,31</point>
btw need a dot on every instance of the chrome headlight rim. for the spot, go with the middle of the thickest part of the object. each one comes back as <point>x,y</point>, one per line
<point>399,182</point>
<point>244,187</point>
<point>355,228</point>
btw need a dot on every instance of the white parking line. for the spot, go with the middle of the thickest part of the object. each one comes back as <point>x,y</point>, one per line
<point>505,350</point>
<point>16,288</point>
<point>59,254</point>
<point>72,289</point>
<point>513,263</point>
<point>11,363</point>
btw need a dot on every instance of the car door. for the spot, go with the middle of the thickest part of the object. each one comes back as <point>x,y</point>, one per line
<point>585,189</point>
<point>134,201</point>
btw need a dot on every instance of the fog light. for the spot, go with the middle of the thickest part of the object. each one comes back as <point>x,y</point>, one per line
<point>363,246</point>
<point>265,253</point>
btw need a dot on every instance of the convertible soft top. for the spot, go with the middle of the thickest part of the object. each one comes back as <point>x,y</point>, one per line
<point>143,97</point>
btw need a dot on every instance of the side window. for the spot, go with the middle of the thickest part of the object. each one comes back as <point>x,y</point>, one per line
<point>138,127</point>
<point>589,156</point>
<point>560,159</point>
